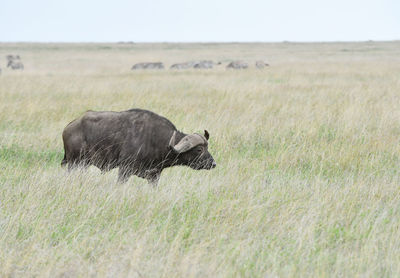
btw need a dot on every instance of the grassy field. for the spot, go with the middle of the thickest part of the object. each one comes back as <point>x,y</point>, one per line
<point>308,154</point>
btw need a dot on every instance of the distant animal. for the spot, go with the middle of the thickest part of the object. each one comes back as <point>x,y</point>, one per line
<point>237,65</point>
<point>14,62</point>
<point>157,65</point>
<point>203,64</point>
<point>12,57</point>
<point>186,65</point>
<point>138,142</point>
<point>15,65</point>
<point>261,64</point>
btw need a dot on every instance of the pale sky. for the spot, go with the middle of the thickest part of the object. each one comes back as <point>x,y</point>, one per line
<point>198,21</point>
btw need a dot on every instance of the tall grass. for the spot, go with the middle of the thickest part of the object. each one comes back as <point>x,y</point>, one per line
<point>308,154</point>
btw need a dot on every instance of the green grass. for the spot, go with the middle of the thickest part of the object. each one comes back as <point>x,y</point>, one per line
<point>307,152</point>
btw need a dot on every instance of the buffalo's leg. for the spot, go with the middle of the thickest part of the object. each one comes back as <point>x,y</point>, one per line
<point>75,160</point>
<point>64,161</point>
<point>73,164</point>
<point>78,164</point>
<point>153,176</point>
<point>123,174</point>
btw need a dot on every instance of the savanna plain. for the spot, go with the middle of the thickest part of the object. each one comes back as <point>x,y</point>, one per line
<point>307,182</point>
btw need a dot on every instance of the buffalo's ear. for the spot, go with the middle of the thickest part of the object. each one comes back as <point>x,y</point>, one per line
<point>206,134</point>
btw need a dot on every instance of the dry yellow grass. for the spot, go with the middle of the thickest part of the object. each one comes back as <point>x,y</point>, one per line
<point>307,182</point>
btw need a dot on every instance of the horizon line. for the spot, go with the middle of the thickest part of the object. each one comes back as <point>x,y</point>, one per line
<point>194,42</point>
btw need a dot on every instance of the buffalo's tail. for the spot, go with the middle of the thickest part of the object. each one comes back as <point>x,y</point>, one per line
<point>64,161</point>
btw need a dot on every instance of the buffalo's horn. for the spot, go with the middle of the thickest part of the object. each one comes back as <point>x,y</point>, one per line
<point>172,140</point>
<point>188,142</point>
<point>183,145</point>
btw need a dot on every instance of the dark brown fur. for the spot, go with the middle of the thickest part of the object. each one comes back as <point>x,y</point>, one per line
<point>136,141</point>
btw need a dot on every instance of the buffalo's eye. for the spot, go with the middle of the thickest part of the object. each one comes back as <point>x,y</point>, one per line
<point>199,150</point>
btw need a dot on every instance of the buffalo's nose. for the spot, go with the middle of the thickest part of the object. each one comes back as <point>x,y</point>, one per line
<point>214,164</point>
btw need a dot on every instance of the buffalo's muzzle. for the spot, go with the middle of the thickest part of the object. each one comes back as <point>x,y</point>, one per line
<point>210,165</point>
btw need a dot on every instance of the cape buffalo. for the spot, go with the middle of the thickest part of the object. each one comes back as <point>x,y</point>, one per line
<point>14,62</point>
<point>140,66</point>
<point>186,65</point>
<point>204,64</point>
<point>237,65</point>
<point>15,65</point>
<point>138,142</point>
